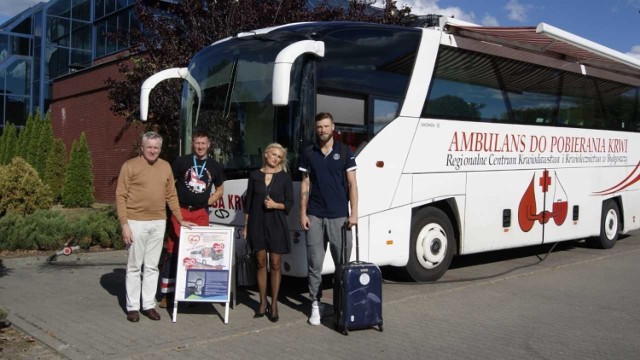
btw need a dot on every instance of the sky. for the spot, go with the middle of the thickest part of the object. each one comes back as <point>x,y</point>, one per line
<point>612,23</point>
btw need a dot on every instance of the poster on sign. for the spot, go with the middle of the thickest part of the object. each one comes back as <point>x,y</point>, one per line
<point>204,266</point>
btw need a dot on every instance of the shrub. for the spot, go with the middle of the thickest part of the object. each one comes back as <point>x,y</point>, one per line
<point>21,191</point>
<point>56,169</point>
<point>9,144</point>
<point>78,186</point>
<point>42,230</point>
<point>98,228</point>
<point>51,229</point>
<point>3,141</point>
<point>34,146</point>
<point>43,144</point>
<point>9,225</point>
<point>24,139</point>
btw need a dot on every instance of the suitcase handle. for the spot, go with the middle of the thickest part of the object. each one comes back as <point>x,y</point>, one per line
<point>344,243</point>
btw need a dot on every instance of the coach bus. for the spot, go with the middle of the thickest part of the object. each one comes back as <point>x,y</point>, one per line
<point>467,138</point>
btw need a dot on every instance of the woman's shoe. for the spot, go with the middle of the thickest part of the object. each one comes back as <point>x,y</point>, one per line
<point>273,316</point>
<point>259,315</point>
<point>262,314</point>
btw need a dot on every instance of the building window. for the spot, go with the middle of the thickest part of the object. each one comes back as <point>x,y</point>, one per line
<point>119,22</point>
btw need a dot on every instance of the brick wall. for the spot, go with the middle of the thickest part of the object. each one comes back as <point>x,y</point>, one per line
<point>81,104</point>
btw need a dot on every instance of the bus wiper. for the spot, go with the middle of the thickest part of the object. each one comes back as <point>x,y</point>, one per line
<point>232,81</point>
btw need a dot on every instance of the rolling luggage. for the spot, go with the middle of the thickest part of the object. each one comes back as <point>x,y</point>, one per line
<point>357,293</point>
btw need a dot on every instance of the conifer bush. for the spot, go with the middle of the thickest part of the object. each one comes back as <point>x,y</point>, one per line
<point>99,227</point>
<point>78,186</point>
<point>55,170</point>
<point>21,191</point>
<point>9,144</point>
<point>2,144</point>
<point>33,142</point>
<point>42,230</point>
<point>51,229</point>
<point>9,226</point>
<point>24,138</point>
<point>42,144</point>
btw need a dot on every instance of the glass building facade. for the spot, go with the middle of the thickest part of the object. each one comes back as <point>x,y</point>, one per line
<point>53,39</point>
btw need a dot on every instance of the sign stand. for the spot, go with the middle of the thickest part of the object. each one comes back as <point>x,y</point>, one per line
<point>204,268</point>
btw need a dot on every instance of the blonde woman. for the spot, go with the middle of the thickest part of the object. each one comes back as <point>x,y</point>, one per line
<point>268,202</point>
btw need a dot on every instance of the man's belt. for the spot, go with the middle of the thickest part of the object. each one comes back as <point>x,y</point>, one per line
<point>191,208</point>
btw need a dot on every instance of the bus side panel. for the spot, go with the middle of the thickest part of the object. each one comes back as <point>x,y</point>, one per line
<point>631,212</point>
<point>383,160</point>
<point>431,187</point>
<point>571,191</point>
<point>229,208</point>
<point>403,192</point>
<point>389,232</point>
<point>489,195</point>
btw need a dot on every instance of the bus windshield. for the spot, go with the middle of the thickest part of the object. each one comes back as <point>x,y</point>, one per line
<point>233,101</point>
<point>361,80</point>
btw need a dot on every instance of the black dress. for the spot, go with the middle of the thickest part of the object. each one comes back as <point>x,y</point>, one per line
<point>268,229</point>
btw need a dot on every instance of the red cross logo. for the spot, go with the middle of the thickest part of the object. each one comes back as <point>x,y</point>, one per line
<point>545,181</point>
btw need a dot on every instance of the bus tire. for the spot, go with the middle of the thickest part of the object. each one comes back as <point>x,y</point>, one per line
<point>609,226</point>
<point>432,245</point>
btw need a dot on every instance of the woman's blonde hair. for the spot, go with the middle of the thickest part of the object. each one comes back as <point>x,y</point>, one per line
<point>284,164</point>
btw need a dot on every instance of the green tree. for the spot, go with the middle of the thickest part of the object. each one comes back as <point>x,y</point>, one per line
<point>55,171</point>
<point>78,185</point>
<point>34,145</point>
<point>2,146</point>
<point>24,139</point>
<point>21,191</point>
<point>43,145</point>
<point>9,144</point>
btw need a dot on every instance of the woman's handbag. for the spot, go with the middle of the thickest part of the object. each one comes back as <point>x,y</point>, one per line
<point>246,266</point>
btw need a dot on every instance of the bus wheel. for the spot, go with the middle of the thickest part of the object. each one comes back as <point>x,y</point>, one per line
<point>432,245</point>
<point>609,227</point>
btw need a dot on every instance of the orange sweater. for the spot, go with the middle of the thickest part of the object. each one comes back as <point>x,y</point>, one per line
<point>144,189</point>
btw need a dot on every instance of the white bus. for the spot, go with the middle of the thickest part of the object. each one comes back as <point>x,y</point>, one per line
<point>468,139</point>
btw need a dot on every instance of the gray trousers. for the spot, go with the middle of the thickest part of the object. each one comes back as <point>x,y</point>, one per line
<point>323,231</point>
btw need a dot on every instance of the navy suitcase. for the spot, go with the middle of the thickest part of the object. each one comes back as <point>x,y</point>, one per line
<point>357,294</point>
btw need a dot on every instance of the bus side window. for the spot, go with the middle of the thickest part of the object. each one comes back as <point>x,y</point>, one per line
<point>465,86</point>
<point>384,111</point>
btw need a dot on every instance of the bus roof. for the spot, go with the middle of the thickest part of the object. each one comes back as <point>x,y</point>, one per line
<point>551,41</point>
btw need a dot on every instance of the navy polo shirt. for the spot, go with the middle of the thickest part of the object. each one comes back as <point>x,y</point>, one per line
<point>328,196</point>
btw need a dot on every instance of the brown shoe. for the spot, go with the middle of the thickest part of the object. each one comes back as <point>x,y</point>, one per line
<point>151,314</point>
<point>163,302</point>
<point>133,316</point>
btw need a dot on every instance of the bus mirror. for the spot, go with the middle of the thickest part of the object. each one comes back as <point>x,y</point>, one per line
<point>282,67</point>
<point>156,78</point>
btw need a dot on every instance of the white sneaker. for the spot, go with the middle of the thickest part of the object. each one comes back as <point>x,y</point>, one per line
<point>315,314</point>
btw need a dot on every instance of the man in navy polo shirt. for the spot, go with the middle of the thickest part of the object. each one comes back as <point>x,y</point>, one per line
<point>327,192</point>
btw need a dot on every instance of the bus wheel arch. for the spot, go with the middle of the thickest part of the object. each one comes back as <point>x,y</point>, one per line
<point>433,243</point>
<point>611,225</point>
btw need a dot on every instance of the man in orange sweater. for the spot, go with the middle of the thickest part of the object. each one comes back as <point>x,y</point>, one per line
<point>145,186</point>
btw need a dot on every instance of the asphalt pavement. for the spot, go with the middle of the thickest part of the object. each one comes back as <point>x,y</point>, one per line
<point>578,303</point>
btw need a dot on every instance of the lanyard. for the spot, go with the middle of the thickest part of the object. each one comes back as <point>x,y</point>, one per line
<point>195,167</point>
